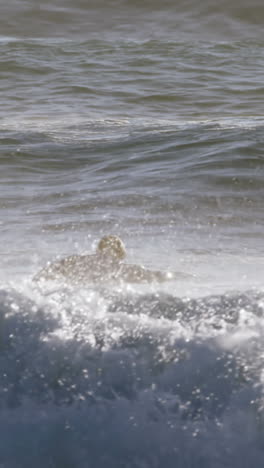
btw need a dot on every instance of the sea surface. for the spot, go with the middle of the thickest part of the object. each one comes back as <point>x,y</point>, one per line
<point>142,119</point>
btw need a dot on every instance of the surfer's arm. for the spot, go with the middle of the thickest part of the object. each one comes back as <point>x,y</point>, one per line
<point>49,272</point>
<point>57,269</point>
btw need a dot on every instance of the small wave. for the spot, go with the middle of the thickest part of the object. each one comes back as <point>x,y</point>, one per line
<point>87,129</point>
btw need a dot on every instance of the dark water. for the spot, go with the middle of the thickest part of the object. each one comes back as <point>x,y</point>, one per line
<point>145,120</point>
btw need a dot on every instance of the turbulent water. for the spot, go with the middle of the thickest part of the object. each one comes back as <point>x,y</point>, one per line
<point>144,120</point>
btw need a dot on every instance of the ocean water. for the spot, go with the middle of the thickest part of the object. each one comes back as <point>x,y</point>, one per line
<point>145,120</point>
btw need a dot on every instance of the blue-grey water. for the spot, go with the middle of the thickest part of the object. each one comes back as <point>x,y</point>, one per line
<point>144,120</point>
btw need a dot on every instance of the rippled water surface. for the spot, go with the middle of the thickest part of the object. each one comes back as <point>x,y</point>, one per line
<point>145,120</point>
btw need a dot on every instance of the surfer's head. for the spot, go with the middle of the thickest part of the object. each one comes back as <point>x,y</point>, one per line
<point>111,247</point>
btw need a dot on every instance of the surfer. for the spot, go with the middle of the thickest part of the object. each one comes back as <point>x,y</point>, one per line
<point>105,265</point>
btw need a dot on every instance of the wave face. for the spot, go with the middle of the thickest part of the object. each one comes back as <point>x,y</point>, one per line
<point>130,379</point>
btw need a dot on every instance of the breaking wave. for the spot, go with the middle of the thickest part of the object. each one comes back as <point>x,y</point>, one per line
<point>91,378</point>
